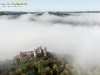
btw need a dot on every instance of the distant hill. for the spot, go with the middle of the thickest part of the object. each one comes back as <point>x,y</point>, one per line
<point>58,13</point>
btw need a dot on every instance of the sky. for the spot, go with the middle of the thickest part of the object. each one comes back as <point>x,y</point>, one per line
<point>54,5</point>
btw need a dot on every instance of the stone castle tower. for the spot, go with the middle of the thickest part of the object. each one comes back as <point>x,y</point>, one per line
<point>39,52</point>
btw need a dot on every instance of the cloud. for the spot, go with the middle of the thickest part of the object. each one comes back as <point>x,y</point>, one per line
<point>27,32</point>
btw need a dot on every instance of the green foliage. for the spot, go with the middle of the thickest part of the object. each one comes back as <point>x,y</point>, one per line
<point>49,65</point>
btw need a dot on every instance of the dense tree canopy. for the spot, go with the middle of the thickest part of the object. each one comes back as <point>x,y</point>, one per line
<point>49,65</point>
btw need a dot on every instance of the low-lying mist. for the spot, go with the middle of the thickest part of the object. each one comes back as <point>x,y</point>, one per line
<point>74,35</point>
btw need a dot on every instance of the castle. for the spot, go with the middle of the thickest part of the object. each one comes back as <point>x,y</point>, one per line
<point>32,54</point>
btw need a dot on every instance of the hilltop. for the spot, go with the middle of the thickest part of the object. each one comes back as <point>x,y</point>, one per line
<point>47,64</point>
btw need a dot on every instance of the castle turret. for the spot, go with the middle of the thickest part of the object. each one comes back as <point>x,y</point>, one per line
<point>44,51</point>
<point>35,54</point>
<point>40,49</point>
<point>32,55</point>
<point>20,56</point>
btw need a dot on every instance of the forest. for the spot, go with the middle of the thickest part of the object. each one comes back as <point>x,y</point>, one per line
<point>52,64</point>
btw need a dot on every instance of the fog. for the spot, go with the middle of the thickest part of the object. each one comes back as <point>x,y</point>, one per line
<point>74,35</point>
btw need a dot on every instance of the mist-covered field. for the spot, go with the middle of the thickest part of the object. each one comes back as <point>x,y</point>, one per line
<point>77,35</point>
